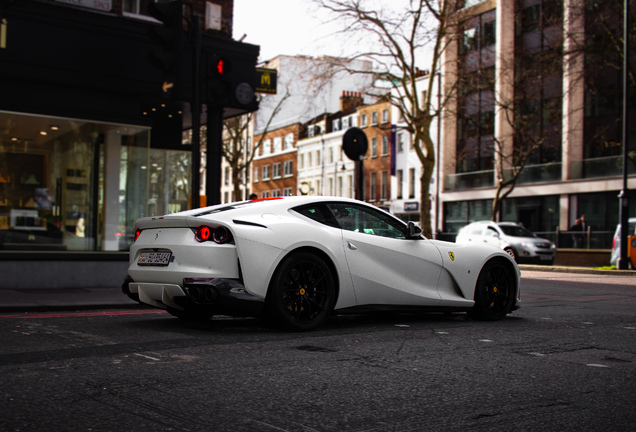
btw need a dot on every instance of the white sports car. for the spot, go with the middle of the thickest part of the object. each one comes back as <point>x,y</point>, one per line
<point>297,259</point>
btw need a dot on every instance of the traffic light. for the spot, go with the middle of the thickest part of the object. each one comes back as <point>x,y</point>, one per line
<point>230,82</point>
<point>219,85</point>
<point>168,37</point>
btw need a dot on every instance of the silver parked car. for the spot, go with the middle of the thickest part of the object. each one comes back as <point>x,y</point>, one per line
<point>523,245</point>
<point>616,243</point>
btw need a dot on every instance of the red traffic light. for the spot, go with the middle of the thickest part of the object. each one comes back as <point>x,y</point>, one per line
<point>222,67</point>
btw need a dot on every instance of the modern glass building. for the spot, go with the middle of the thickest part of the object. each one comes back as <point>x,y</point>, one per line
<point>540,80</point>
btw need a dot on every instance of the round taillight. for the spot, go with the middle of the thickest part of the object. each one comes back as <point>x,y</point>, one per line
<point>218,235</point>
<point>221,235</point>
<point>137,233</point>
<point>203,233</point>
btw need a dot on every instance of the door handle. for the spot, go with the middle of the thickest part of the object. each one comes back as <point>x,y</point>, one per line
<point>352,246</point>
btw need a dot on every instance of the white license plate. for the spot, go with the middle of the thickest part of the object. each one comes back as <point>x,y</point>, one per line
<point>154,258</point>
<point>546,257</point>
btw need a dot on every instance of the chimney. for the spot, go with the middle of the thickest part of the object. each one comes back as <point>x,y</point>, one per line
<point>350,101</point>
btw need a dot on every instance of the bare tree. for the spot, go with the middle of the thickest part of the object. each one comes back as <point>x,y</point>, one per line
<point>399,35</point>
<point>235,144</point>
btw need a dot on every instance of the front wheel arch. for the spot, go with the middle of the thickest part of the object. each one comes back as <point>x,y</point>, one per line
<point>496,290</point>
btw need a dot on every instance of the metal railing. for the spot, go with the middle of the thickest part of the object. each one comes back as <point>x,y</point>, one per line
<point>562,239</point>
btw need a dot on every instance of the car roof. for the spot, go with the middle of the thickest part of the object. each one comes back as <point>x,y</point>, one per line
<point>271,204</point>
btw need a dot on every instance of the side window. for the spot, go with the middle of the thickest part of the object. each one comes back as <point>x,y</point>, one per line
<point>352,217</point>
<point>318,212</point>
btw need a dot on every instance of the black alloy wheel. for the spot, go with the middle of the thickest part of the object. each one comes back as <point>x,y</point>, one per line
<point>495,291</point>
<point>302,292</point>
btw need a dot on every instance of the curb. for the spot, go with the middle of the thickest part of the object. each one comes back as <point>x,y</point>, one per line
<point>579,270</point>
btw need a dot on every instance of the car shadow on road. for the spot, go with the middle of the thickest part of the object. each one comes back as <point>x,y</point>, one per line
<point>338,322</point>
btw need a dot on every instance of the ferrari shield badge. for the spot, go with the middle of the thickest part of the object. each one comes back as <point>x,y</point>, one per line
<point>452,256</point>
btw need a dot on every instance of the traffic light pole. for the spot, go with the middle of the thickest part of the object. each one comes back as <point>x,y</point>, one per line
<point>196,113</point>
<point>623,260</point>
<point>214,154</point>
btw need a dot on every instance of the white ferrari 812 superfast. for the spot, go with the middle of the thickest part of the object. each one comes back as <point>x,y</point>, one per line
<point>296,260</point>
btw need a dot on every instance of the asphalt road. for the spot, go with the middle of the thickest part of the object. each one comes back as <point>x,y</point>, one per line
<point>565,361</point>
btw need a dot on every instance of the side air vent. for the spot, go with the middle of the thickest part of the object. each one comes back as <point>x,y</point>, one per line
<point>240,222</point>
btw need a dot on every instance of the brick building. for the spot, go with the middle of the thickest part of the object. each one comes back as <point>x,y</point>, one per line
<point>274,165</point>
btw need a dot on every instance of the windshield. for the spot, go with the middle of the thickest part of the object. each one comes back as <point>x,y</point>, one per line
<point>516,231</point>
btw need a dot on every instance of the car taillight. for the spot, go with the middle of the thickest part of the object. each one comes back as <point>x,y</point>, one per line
<point>220,235</point>
<point>137,232</point>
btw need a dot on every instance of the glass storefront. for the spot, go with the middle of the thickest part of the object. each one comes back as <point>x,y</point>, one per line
<point>77,185</point>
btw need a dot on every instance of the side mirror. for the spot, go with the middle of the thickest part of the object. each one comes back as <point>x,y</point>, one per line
<point>415,231</point>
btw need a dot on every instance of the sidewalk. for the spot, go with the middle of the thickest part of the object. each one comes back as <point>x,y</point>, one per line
<point>55,299</point>
<point>49,299</point>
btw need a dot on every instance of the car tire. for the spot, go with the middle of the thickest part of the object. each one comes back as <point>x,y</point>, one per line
<point>510,251</point>
<point>495,291</point>
<point>302,292</point>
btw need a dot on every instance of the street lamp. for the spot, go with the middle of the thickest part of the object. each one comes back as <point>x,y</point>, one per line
<point>624,202</point>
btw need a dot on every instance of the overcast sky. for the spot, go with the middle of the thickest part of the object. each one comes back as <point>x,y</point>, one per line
<point>288,27</point>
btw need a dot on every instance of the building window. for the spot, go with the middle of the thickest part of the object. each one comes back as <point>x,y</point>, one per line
<point>411,183</point>
<point>400,183</point>
<point>265,172</point>
<point>374,147</point>
<point>55,183</point>
<point>385,116</point>
<point>335,125</point>
<point>301,161</point>
<point>289,142</point>
<point>385,145</point>
<point>265,194</point>
<point>138,7</point>
<point>276,193</point>
<point>374,118</point>
<point>400,142</point>
<point>345,123</point>
<point>288,168</point>
<point>384,186</point>
<point>267,147</point>
<point>287,191</point>
<point>374,180</point>
<point>364,120</point>
<point>255,174</point>
<point>278,145</point>
<point>275,171</point>
<point>226,174</point>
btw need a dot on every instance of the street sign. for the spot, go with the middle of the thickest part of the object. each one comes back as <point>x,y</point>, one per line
<point>266,80</point>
